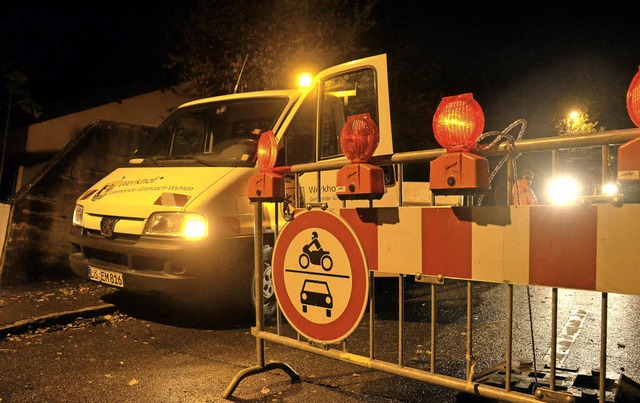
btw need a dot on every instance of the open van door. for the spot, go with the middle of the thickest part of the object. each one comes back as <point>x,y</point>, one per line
<point>311,134</point>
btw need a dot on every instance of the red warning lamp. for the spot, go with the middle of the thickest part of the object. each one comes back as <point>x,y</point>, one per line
<point>457,124</point>
<point>265,185</point>
<point>267,151</point>
<point>629,152</point>
<point>359,139</point>
<point>633,99</point>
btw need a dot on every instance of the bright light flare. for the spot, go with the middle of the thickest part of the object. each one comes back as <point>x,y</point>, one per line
<point>610,189</point>
<point>195,227</point>
<point>563,190</point>
<point>304,80</point>
<point>176,224</point>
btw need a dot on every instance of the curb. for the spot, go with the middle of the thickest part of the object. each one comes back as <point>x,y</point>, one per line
<point>25,325</point>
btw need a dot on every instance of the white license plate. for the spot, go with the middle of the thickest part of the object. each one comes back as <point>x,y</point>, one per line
<point>105,276</point>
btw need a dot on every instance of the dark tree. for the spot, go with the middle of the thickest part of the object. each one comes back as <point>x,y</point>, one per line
<point>16,94</point>
<point>276,38</point>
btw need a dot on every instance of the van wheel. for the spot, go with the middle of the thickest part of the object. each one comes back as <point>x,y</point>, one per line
<point>269,302</point>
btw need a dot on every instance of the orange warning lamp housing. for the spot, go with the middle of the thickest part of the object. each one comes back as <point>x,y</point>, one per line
<point>265,185</point>
<point>457,124</point>
<point>359,139</point>
<point>629,152</point>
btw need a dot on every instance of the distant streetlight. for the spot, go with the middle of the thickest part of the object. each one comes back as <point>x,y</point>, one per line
<point>576,122</point>
<point>574,115</point>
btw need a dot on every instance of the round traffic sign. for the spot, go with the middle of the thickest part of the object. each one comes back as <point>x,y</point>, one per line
<point>320,276</point>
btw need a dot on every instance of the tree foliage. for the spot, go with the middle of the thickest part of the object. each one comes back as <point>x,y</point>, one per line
<point>578,123</point>
<point>276,38</point>
<point>15,83</point>
<point>16,92</point>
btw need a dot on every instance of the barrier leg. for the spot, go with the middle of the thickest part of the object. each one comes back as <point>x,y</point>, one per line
<point>258,284</point>
<point>295,378</point>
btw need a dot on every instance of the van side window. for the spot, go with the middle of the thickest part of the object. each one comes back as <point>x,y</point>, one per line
<point>345,95</point>
<point>299,141</point>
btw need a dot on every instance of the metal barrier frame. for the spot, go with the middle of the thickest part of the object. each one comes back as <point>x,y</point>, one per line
<point>468,385</point>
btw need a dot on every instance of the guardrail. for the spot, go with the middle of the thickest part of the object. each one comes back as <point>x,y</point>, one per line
<point>473,384</point>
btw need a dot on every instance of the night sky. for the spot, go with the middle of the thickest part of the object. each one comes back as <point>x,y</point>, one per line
<point>524,62</point>
<point>529,62</point>
<point>84,56</point>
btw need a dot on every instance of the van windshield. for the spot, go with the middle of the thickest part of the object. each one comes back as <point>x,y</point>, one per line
<point>222,133</point>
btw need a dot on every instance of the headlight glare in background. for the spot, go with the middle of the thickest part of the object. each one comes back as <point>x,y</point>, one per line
<point>563,190</point>
<point>610,189</point>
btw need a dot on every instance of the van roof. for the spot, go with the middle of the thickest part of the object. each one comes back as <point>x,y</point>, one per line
<point>242,95</point>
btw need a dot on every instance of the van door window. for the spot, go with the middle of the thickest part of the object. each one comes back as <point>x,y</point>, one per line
<point>299,145</point>
<point>348,94</point>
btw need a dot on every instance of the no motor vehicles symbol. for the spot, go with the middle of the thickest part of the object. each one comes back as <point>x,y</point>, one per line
<point>320,276</point>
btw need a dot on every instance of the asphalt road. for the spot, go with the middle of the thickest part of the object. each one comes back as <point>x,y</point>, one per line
<point>152,351</point>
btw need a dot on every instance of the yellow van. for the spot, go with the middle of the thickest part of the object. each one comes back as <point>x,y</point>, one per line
<point>177,220</point>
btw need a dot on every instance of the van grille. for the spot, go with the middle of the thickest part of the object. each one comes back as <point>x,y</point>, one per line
<point>147,263</point>
<point>106,256</point>
<point>135,262</point>
<point>127,238</point>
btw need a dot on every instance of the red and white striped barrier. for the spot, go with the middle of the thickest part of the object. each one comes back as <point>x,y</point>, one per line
<point>591,248</point>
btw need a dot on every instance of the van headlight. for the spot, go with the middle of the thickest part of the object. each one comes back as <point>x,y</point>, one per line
<point>176,224</point>
<point>78,216</point>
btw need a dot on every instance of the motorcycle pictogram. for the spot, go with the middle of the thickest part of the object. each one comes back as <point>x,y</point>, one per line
<point>318,256</point>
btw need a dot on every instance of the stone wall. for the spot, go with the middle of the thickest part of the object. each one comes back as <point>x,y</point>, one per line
<point>37,244</point>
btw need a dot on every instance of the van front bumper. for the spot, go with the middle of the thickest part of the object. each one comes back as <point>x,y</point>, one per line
<point>219,268</point>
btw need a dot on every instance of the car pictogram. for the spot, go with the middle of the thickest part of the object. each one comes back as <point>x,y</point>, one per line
<point>316,293</point>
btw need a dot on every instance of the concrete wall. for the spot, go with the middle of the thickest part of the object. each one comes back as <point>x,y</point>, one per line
<point>52,135</point>
<point>85,146</point>
<point>146,109</point>
<point>37,244</point>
